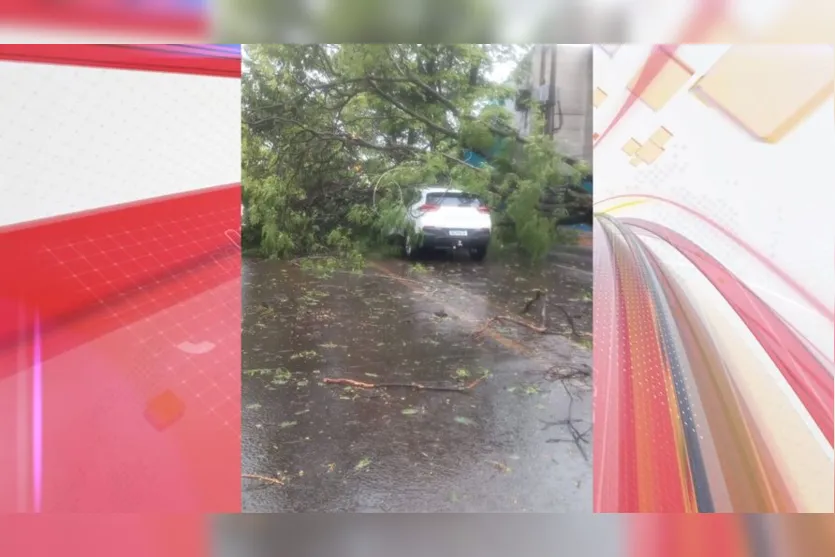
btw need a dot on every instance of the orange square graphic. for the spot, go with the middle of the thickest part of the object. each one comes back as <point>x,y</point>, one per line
<point>800,21</point>
<point>661,136</point>
<point>599,96</point>
<point>164,410</point>
<point>631,147</point>
<point>649,152</point>
<point>769,89</point>
<point>673,76</point>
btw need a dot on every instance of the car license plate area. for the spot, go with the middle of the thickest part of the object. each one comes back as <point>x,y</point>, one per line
<point>458,233</point>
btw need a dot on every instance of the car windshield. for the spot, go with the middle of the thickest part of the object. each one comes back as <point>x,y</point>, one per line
<point>452,199</point>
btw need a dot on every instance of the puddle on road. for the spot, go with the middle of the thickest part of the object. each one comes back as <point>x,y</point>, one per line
<point>499,447</point>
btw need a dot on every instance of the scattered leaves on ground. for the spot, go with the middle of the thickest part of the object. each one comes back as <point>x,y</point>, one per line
<point>305,355</point>
<point>500,466</point>
<point>282,376</point>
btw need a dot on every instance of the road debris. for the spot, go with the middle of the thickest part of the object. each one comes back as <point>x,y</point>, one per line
<point>417,386</point>
<point>265,479</point>
<point>578,438</point>
<point>509,319</point>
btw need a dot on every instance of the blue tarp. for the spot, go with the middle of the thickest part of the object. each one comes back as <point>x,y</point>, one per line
<point>474,159</point>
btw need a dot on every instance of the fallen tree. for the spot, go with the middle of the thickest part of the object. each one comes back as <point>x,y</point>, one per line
<point>336,137</point>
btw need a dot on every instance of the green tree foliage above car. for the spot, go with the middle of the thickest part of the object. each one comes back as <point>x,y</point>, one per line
<point>336,138</point>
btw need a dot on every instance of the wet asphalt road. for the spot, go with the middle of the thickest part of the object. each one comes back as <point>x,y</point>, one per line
<point>503,446</point>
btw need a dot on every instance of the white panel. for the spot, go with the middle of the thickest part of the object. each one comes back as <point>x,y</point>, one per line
<point>76,138</point>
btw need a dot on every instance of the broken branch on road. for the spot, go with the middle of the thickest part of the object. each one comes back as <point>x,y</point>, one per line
<point>556,374</point>
<point>570,321</point>
<point>577,437</point>
<point>537,294</point>
<point>265,479</point>
<point>417,386</point>
<point>508,318</point>
<point>540,295</point>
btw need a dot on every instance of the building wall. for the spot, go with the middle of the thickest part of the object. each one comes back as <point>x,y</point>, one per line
<point>521,118</point>
<point>570,66</point>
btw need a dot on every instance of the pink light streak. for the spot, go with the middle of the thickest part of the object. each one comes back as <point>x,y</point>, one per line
<point>37,418</point>
<point>810,298</point>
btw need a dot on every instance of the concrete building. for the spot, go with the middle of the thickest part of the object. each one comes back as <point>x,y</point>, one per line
<point>561,82</point>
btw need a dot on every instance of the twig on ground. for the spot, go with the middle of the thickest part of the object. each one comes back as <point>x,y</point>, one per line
<point>570,321</point>
<point>548,425</point>
<point>555,374</point>
<point>486,325</point>
<point>417,386</point>
<point>437,313</point>
<point>576,437</point>
<point>520,322</point>
<point>266,479</point>
<point>537,294</point>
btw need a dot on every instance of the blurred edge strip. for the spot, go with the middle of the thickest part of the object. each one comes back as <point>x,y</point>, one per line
<point>663,535</point>
<point>697,446</point>
<point>211,60</point>
<point>194,23</point>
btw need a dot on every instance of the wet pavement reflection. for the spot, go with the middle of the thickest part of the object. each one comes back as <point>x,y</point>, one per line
<point>505,445</point>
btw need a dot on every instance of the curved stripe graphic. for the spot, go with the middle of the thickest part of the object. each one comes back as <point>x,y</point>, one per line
<point>172,58</point>
<point>809,378</point>
<point>816,304</point>
<point>678,428</point>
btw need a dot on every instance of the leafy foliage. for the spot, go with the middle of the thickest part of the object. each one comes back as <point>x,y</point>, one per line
<point>356,20</point>
<point>336,138</point>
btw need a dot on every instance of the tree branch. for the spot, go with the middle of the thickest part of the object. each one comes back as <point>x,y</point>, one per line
<point>438,128</point>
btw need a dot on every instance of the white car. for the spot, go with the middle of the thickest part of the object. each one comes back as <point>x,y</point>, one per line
<point>447,219</point>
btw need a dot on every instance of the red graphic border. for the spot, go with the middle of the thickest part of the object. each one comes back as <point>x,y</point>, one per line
<point>97,17</point>
<point>155,58</point>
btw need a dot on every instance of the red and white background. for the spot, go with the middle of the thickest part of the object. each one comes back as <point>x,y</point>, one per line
<point>714,278</point>
<point>118,21</point>
<point>120,313</point>
<point>120,289</point>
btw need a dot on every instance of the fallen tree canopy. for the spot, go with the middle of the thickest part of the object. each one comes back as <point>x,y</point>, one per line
<point>336,138</point>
